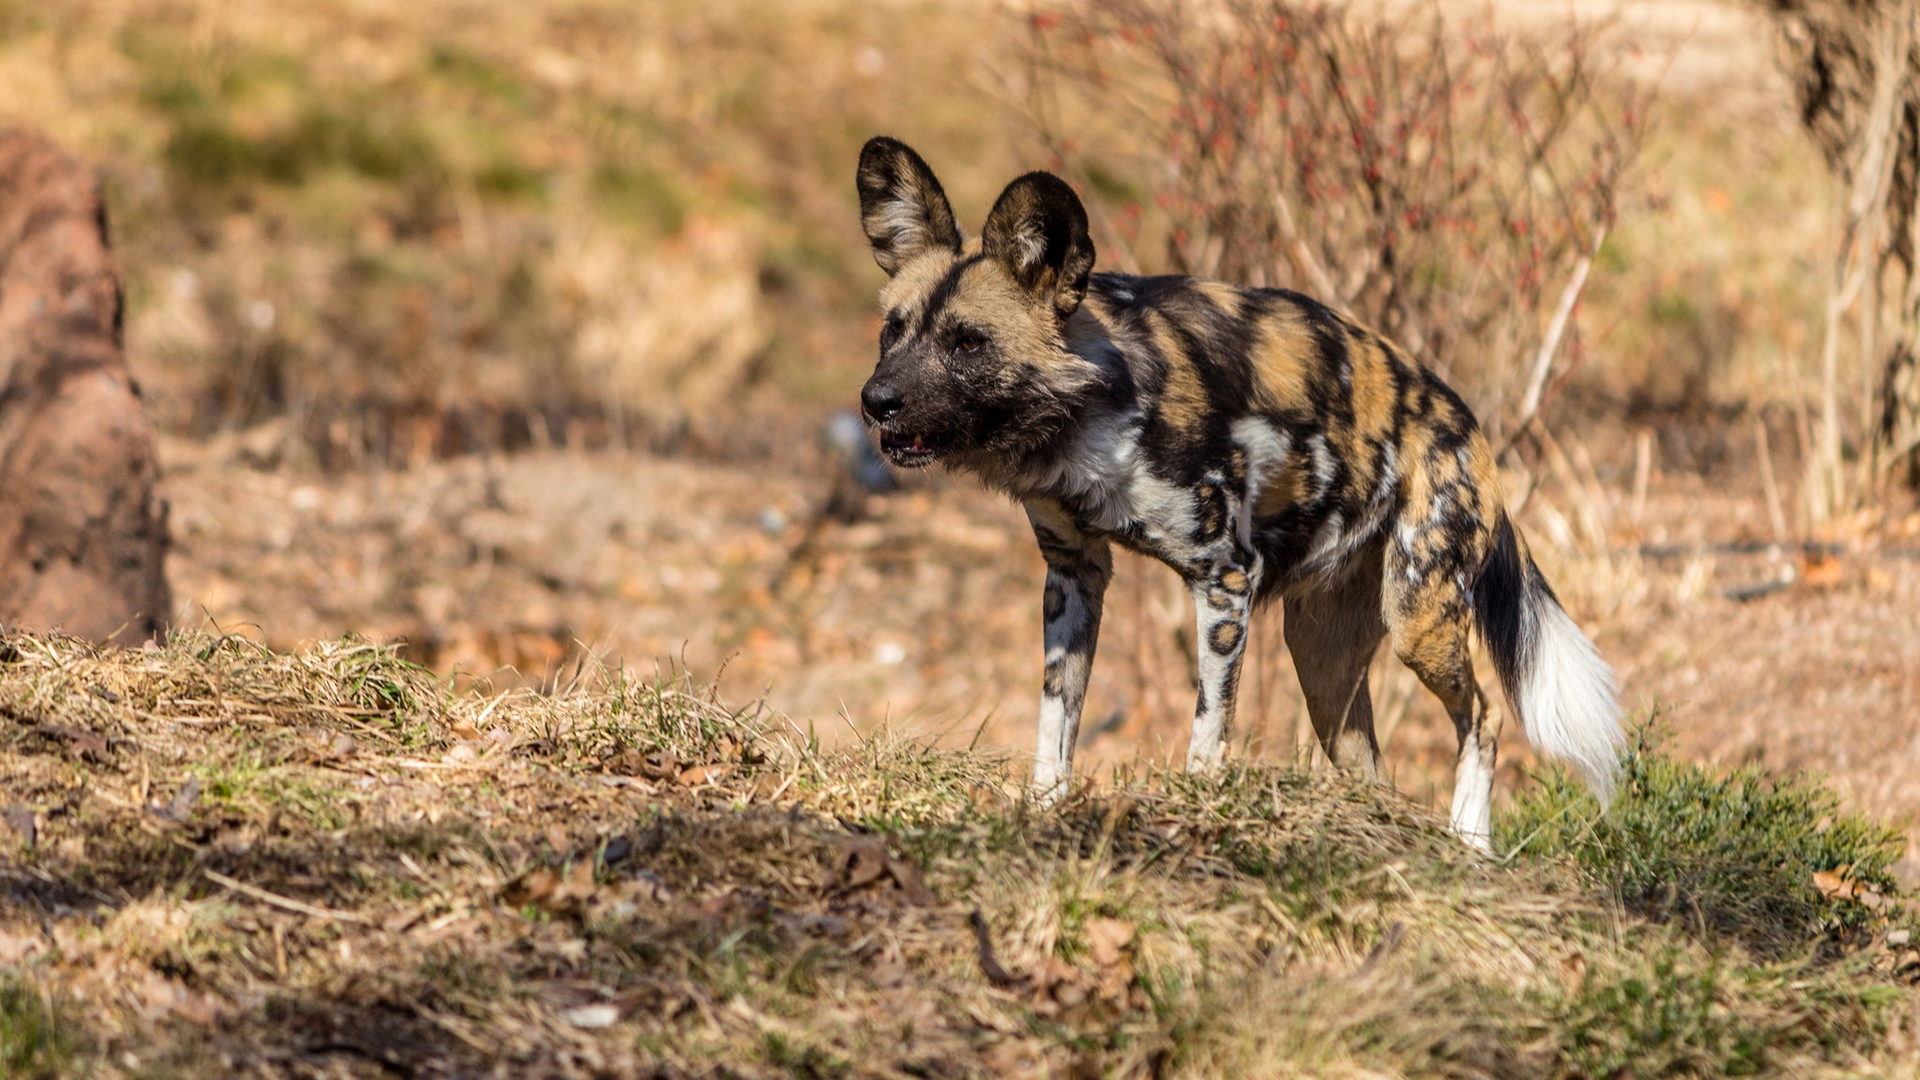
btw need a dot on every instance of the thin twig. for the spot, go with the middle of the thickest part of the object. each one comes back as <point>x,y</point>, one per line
<point>1642,472</point>
<point>1775,513</point>
<point>989,966</point>
<point>285,902</point>
<point>1543,360</point>
<point>1302,256</point>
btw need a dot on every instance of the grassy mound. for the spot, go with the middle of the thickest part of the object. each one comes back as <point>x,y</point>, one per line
<point>229,860</point>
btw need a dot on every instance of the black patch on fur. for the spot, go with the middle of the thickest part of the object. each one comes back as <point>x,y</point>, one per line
<point>1501,604</point>
<point>1054,603</point>
<point>943,292</point>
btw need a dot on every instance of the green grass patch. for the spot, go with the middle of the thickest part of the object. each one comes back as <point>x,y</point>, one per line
<point>36,1038</point>
<point>1730,854</point>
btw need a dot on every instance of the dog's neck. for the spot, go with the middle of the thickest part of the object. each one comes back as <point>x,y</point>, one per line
<point>1088,463</point>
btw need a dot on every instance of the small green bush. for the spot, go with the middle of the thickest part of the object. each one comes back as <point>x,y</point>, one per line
<point>1725,854</point>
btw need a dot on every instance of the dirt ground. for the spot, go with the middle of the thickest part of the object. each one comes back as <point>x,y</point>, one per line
<point>924,613</point>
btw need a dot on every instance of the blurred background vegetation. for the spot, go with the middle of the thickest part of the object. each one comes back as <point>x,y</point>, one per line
<point>404,231</point>
<point>412,230</point>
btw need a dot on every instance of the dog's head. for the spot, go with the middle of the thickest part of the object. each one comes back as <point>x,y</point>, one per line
<point>971,351</point>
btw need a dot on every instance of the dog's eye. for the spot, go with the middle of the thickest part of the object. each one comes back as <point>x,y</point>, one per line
<point>891,331</point>
<point>968,342</point>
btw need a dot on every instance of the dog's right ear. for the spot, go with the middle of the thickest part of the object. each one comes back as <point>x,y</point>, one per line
<point>902,208</point>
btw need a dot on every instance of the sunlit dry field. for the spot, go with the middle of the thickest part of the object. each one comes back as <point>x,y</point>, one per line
<point>509,331</point>
<point>547,701</point>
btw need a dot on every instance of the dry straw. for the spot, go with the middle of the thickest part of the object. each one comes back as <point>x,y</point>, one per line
<point>232,858</point>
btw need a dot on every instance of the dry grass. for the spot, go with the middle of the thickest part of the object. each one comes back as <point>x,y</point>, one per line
<point>327,864</point>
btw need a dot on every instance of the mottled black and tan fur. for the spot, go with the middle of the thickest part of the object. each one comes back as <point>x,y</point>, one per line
<point>1257,442</point>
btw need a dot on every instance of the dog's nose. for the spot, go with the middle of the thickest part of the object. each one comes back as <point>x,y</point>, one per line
<point>881,400</point>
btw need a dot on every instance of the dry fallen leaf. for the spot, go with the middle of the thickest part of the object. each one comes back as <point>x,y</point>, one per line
<point>907,876</point>
<point>703,774</point>
<point>461,754</point>
<point>464,730</point>
<point>628,762</point>
<point>1058,987</point>
<point>180,807</point>
<point>1820,570</point>
<point>1836,884</point>
<point>580,883</point>
<point>862,860</point>
<point>531,887</point>
<point>1108,940</point>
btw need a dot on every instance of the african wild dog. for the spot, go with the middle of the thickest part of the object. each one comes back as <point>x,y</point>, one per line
<point>1257,442</point>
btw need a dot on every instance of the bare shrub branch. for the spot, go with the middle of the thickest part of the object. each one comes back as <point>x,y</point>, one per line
<point>1437,178</point>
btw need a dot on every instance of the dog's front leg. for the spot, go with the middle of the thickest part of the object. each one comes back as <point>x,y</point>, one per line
<point>1078,569</point>
<point>1223,603</point>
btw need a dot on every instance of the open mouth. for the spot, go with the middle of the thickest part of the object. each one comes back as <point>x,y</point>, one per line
<point>908,450</point>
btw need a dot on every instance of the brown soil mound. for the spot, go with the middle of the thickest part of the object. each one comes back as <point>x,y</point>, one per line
<point>82,529</point>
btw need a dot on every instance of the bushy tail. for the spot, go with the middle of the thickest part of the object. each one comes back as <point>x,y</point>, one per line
<point>1564,693</point>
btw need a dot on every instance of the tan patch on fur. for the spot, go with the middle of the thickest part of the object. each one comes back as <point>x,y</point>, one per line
<point>1373,398</point>
<point>1374,401</point>
<point>1282,356</point>
<point>1433,645</point>
<point>1225,636</point>
<point>1416,443</point>
<point>1484,473</point>
<point>1224,296</point>
<point>907,290</point>
<point>1235,582</point>
<point>1183,400</point>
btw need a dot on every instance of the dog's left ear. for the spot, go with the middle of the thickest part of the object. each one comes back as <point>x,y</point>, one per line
<point>1038,231</point>
<point>902,208</point>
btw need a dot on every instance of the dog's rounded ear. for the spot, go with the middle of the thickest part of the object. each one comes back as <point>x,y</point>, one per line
<point>1038,231</point>
<point>902,208</point>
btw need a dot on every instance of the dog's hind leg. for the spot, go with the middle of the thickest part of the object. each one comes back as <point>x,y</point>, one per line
<point>1078,569</point>
<point>1332,632</point>
<point>1428,616</point>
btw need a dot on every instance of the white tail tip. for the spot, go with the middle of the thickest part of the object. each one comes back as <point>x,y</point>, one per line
<point>1569,699</point>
